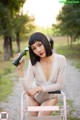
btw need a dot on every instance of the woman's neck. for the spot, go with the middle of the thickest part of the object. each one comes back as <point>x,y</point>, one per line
<point>47,59</point>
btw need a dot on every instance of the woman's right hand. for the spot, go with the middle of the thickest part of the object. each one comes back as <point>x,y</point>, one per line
<point>20,66</point>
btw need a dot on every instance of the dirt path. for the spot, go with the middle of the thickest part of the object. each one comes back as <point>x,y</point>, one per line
<point>72,87</point>
<point>72,91</point>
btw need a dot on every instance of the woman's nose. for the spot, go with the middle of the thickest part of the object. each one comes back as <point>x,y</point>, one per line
<point>38,49</point>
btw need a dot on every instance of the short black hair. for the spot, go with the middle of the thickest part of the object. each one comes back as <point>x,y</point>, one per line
<point>38,36</point>
<point>51,43</point>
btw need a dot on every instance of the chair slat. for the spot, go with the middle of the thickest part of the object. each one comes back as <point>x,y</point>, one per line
<point>43,108</point>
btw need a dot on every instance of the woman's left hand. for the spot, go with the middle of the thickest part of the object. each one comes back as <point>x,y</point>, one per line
<point>33,91</point>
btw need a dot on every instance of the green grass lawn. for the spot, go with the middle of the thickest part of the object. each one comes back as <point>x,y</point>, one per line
<point>70,53</point>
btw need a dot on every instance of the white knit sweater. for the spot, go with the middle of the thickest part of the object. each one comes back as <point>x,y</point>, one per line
<point>35,75</point>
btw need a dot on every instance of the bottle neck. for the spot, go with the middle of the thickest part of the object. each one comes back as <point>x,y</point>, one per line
<point>24,52</point>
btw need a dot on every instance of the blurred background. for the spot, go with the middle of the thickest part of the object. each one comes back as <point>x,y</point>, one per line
<point>57,19</point>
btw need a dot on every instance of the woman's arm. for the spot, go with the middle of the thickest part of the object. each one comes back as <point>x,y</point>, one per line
<point>20,68</point>
<point>27,79</point>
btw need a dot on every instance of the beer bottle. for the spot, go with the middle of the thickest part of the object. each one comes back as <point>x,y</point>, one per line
<point>23,53</point>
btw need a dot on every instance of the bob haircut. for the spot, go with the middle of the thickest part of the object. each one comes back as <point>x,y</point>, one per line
<point>38,36</point>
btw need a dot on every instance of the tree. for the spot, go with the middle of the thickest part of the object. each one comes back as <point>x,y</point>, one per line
<point>69,21</point>
<point>8,9</point>
<point>22,24</point>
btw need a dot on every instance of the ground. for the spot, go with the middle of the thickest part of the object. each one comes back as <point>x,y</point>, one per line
<point>72,91</point>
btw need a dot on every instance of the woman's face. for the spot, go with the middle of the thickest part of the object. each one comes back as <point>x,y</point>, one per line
<point>38,49</point>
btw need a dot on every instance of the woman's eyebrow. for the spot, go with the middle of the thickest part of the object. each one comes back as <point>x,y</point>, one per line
<point>36,43</point>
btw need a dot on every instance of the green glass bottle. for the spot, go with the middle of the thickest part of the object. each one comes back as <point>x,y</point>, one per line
<point>23,53</point>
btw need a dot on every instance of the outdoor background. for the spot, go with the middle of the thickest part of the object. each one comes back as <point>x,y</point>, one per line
<point>18,20</point>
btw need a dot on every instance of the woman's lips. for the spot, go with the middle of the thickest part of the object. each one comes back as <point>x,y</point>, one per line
<point>41,53</point>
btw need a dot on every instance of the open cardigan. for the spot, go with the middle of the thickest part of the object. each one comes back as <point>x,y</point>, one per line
<point>36,77</point>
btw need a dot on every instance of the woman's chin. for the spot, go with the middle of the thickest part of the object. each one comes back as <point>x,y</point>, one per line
<point>42,56</point>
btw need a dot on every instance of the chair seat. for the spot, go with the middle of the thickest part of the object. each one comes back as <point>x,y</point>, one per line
<point>43,108</point>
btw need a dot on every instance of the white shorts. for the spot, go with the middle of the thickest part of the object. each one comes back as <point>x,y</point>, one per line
<point>43,96</point>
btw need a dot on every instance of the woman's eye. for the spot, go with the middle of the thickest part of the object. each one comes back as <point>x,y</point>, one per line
<point>33,48</point>
<point>39,44</point>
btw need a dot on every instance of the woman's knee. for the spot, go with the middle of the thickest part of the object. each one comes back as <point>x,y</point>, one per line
<point>33,113</point>
<point>50,102</point>
<point>32,102</point>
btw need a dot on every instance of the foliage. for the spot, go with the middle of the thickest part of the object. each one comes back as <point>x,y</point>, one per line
<point>10,18</point>
<point>56,30</point>
<point>7,11</point>
<point>4,20</point>
<point>13,23</point>
<point>68,21</point>
<point>22,24</point>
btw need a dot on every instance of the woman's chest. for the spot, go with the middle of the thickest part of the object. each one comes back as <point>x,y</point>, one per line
<point>46,69</point>
<point>47,72</point>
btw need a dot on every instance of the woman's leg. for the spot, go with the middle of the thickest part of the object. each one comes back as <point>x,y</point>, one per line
<point>50,102</point>
<point>32,102</point>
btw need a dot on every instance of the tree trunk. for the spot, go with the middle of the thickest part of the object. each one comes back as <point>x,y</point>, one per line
<point>10,46</point>
<point>6,48</point>
<point>68,41</point>
<point>78,41</point>
<point>71,41</point>
<point>18,41</point>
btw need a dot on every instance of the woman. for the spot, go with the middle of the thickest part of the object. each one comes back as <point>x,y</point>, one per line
<point>45,73</point>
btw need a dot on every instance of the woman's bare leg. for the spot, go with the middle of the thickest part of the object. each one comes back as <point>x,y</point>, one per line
<point>50,102</point>
<point>32,102</point>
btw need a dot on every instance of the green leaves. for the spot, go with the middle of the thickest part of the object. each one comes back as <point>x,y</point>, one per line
<point>69,19</point>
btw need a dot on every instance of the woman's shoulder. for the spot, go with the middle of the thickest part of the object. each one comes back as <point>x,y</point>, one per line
<point>33,66</point>
<point>60,56</point>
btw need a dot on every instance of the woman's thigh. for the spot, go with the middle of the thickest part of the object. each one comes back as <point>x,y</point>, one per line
<point>32,102</point>
<point>50,102</point>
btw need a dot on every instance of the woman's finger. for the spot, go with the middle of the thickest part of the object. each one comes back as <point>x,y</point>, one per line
<point>16,56</point>
<point>21,60</point>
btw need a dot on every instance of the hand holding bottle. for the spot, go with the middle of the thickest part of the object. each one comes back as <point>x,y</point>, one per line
<point>19,62</point>
<point>19,67</point>
<point>21,54</point>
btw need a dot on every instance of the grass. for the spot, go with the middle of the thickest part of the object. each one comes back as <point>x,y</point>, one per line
<point>70,53</point>
<point>6,84</point>
<point>6,69</point>
<point>5,88</point>
<point>70,107</point>
<point>72,118</point>
<point>7,72</point>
